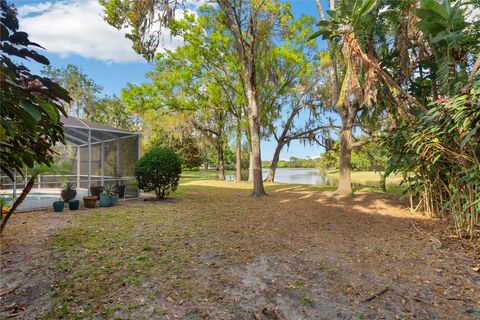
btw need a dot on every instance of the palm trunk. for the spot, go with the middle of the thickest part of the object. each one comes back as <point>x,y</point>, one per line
<point>273,166</point>
<point>344,179</point>
<point>19,201</point>
<point>238,149</point>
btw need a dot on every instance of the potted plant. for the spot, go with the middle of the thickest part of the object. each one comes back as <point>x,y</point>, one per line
<point>58,205</point>
<point>115,197</point>
<point>68,192</point>
<point>120,187</point>
<point>107,197</point>
<point>89,201</point>
<point>73,204</point>
<point>95,191</point>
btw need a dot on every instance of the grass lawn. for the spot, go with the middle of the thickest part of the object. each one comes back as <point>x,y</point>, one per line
<point>370,179</point>
<point>361,180</point>
<point>213,252</point>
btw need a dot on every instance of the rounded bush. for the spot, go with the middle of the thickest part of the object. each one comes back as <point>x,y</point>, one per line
<point>159,171</point>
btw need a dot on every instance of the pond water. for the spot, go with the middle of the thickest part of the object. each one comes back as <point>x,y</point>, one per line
<point>297,176</point>
<point>300,176</point>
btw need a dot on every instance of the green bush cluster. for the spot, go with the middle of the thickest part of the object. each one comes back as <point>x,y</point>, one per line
<point>159,170</point>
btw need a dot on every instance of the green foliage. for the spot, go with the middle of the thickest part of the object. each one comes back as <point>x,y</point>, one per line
<point>438,155</point>
<point>186,148</point>
<point>68,186</point>
<point>442,151</point>
<point>86,102</point>
<point>109,190</point>
<point>30,104</point>
<point>158,170</point>
<point>347,16</point>
<point>82,89</point>
<point>369,157</point>
<point>173,131</point>
<point>329,160</point>
<point>112,111</point>
<point>415,67</point>
<point>452,37</point>
<point>228,154</point>
<point>145,18</point>
<point>5,202</point>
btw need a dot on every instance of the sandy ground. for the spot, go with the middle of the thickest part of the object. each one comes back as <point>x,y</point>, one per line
<point>296,254</point>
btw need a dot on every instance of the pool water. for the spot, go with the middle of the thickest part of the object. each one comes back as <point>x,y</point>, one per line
<point>36,196</point>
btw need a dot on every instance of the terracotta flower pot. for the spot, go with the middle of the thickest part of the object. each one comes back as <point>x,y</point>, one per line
<point>89,201</point>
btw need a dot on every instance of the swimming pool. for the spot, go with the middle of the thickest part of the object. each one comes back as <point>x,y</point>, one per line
<point>36,196</point>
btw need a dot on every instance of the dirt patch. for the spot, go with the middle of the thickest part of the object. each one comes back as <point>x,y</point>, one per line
<point>220,254</point>
<point>25,259</point>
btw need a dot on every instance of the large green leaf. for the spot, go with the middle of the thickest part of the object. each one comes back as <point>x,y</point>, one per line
<point>32,110</point>
<point>366,7</point>
<point>51,110</point>
<point>435,7</point>
<point>469,136</point>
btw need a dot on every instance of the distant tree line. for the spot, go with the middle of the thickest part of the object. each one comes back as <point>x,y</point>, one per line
<point>88,102</point>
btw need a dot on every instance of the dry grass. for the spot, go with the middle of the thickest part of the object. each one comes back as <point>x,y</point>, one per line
<point>212,251</point>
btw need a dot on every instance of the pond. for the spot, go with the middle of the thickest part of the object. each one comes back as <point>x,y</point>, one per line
<point>296,176</point>
<point>301,176</point>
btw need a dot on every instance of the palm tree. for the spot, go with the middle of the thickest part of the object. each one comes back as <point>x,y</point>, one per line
<point>348,31</point>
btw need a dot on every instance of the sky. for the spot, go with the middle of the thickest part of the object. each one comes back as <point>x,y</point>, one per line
<point>74,32</point>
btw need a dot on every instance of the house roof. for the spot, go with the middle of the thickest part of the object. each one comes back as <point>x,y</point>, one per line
<point>77,132</point>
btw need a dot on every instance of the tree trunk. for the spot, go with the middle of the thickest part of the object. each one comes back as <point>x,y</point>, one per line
<point>19,201</point>
<point>383,182</point>
<point>344,179</point>
<point>250,165</point>
<point>238,161</point>
<point>256,159</point>
<point>221,161</point>
<point>273,166</point>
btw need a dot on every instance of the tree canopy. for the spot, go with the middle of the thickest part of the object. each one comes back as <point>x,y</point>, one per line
<point>413,74</point>
<point>30,107</point>
<point>31,104</point>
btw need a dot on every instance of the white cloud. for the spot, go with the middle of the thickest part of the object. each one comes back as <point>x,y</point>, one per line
<point>77,27</point>
<point>33,8</point>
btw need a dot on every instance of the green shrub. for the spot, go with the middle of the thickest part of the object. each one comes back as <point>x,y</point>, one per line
<point>159,171</point>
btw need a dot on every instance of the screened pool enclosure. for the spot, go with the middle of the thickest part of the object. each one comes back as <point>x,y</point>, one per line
<point>95,155</point>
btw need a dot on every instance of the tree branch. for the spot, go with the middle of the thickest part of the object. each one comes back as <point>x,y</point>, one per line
<point>365,141</point>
